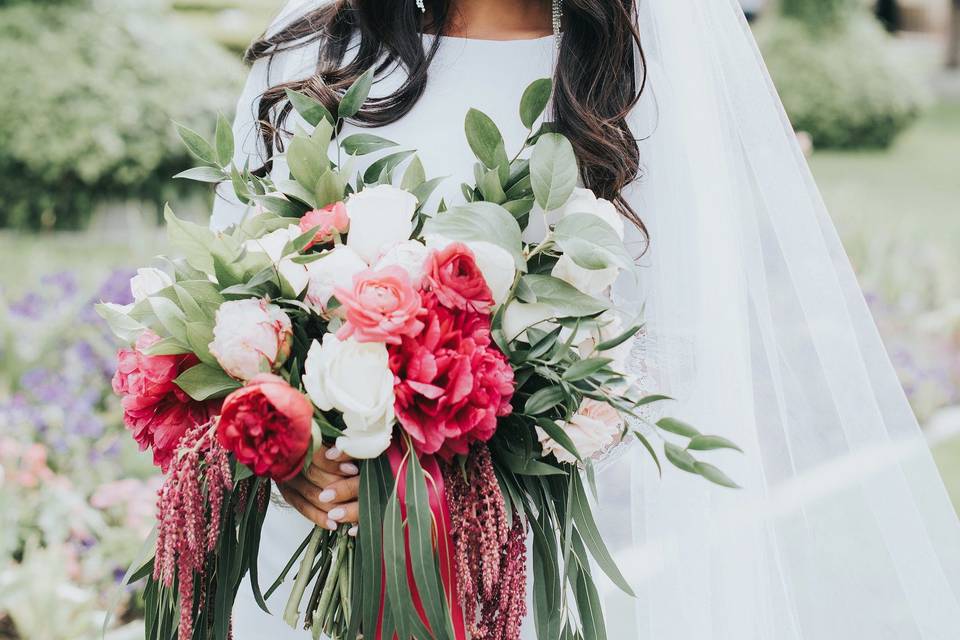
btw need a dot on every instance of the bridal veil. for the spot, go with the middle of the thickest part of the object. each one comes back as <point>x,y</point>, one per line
<point>757,326</point>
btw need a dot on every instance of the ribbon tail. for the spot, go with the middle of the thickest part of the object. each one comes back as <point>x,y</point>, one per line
<point>443,542</point>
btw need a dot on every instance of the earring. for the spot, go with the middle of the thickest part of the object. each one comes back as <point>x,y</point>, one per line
<point>421,6</point>
<point>557,20</point>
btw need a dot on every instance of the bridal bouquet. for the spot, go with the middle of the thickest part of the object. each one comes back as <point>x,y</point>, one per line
<point>473,376</point>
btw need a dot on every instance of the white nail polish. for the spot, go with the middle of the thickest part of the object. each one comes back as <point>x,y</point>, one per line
<point>337,514</point>
<point>332,453</point>
<point>327,495</point>
<point>349,468</point>
<point>331,525</point>
<point>354,530</point>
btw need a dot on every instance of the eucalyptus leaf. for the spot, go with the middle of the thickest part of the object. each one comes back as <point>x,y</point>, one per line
<point>414,175</point>
<point>562,298</point>
<point>310,109</point>
<point>591,243</point>
<point>210,175</point>
<point>714,475</point>
<point>121,324</point>
<point>197,145</point>
<point>707,443</point>
<point>489,185</point>
<point>203,382</point>
<point>553,171</point>
<point>582,369</point>
<point>224,141</point>
<point>359,144</point>
<point>384,166</point>
<point>356,95</point>
<point>587,527</point>
<point>680,457</point>
<point>534,101</point>
<point>559,434</point>
<point>192,240</point>
<point>485,139</point>
<point>544,400</point>
<point>678,427</point>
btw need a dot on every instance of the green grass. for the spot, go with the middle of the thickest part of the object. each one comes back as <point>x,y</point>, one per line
<point>232,23</point>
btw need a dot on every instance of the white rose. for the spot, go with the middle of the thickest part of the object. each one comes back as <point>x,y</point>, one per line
<point>584,201</point>
<point>355,379</point>
<point>611,326</point>
<point>592,429</point>
<point>148,282</point>
<point>589,281</point>
<point>410,255</point>
<point>272,245</point>
<point>495,263</point>
<point>335,269</point>
<point>380,217</point>
<point>251,336</point>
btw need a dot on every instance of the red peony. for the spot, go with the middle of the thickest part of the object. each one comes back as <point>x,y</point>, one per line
<point>455,278</point>
<point>267,426</point>
<point>155,410</point>
<point>451,383</point>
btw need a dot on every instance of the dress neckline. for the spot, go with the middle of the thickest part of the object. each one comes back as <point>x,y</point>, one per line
<point>490,41</point>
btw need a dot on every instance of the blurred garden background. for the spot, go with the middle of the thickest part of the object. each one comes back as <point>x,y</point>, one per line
<point>87,148</point>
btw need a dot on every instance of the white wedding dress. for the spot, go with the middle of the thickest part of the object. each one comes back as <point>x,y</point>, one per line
<point>755,324</point>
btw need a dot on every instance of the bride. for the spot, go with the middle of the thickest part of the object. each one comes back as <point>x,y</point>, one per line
<point>754,321</point>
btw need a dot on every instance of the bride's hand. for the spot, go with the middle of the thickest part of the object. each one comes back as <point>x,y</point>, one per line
<point>328,494</point>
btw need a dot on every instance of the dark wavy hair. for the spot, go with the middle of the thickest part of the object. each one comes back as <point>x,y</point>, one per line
<point>595,81</point>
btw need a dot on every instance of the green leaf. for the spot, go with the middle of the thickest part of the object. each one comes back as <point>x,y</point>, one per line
<point>534,101</point>
<point>192,240</point>
<point>370,541</point>
<point>591,242</point>
<point>356,95</point>
<point>587,527</point>
<point>423,560</point>
<point>203,382</point>
<point>649,447</point>
<point>707,443</point>
<point>170,316</point>
<point>281,206</point>
<point>480,221</point>
<point>426,189</point>
<point>167,347</point>
<point>414,175</point>
<point>395,563</point>
<point>485,140</point>
<point>310,109</point>
<point>210,175</point>
<point>544,400</point>
<point>292,189</point>
<point>553,171</point>
<point>680,457</point>
<point>615,342</point>
<point>672,425</point>
<point>582,369</point>
<point>330,188</point>
<point>489,186</point>
<point>224,140</point>
<point>196,145</point>
<point>588,598</point>
<point>385,165</point>
<point>199,337</point>
<point>559,434</point>
<point>360,144</point>
<point>565,300</point>
<point>121,324</point>
<point>714,475</point>
<point>307,161</point>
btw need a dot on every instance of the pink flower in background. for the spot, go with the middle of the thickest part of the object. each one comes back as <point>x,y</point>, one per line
<point>155,410</point>
<point>451,383</point>
<point>382,307</point>
<point>267,425</point>
<point>455,278</point>
<point>331,220</point>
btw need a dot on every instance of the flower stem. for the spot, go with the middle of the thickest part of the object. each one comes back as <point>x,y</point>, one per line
<point>291,614</point>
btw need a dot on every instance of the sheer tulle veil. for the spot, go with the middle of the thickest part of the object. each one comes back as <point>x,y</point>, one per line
<point>758,329</point>
<point>756,325</point>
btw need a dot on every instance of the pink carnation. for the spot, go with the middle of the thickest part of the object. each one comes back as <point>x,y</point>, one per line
<point>155,410</point>
<point>329,221</point>
<point>451,383</point>
<point>455,278</point>
<point>382,307</point>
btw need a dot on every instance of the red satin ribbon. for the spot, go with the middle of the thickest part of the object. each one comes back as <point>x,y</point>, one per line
<point>443,540</point>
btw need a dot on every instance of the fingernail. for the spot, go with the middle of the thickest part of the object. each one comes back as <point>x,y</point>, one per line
<point>327,495</point>
<point>331,525</point>
<point>332,453</point>
<point>336,514</point>
<point>349,468</point>
<point>354,530</point>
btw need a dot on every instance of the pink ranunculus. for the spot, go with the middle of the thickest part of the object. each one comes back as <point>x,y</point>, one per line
<point>155,410</point>
<point>451,383</point>
<point>382,307</point>
<point>267,426</point>
<point>455,278</point>
<point>331,220</point>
